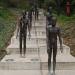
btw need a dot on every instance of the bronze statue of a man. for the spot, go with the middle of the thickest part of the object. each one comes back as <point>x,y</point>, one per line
<point>30,15</point>
<point>36,12</point>
<point>22,29</point>
<point>53,32</point>
<point>48,21</point>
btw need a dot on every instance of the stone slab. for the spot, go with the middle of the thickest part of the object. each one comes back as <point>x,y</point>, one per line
<point>20,72</point>
<point>60,72</point>
<point>64,61</point>
<point>35,72</point>
<point>15,62</point>
<point>18,58</point>
<point>33,48</point>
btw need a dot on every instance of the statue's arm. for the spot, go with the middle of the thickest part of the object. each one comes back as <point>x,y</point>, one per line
<point>29,29</point>
<point>60,39</point>
<point>18,27</point>
<point>28,25</point>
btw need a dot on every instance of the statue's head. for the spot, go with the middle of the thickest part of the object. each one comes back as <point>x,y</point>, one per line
<point>24,13</point>
<point>54,20</point>
<point>50,9</point>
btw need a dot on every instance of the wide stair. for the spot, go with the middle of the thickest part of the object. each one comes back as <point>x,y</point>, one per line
<point>36,60</point>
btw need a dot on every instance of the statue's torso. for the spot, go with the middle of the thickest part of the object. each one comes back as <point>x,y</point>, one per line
<point>23,25</point>
<point>52,34</point>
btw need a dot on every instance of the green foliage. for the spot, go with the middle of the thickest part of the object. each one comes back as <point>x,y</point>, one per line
<point>7,26</point>
<point>42,3</point>
<point>67,25</point>
<point>24,4</point>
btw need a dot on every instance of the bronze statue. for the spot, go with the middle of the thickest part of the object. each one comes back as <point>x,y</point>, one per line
<point>53,32</point>
<point>30,17</point>
<point>48,21</point>
<point>36,12</point>
<point>22,29</point>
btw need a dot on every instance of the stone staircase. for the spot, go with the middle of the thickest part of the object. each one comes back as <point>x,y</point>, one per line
<point>36,60</point>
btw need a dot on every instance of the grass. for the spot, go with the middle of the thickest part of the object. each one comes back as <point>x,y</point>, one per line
<point>7,26</point>
<point>67,25</point>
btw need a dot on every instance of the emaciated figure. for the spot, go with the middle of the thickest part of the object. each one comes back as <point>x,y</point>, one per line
<point>36,12</point>
<point>22,29</point>
<point>30,17</point>
<point>48,21</point>
<point>53,32</point>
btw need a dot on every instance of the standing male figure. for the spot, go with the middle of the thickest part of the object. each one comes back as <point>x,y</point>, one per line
<point>36,12</point>
<point>49,16</point>
<point>53,32</point>
<point>33,10</point>
<point>30,17</point>
<point>49,9</point>
<point>22,29</point>
<point>48,21</point>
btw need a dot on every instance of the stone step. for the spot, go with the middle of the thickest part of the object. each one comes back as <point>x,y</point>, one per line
<point>14,49</point>
<point>38,24</point>
<point>64,62</point>
<point>32,37</point>
<point>29,41</point>
<point>15,62</point>
<point>34,33</point>
<point>33,49</point>
<point>39,32</point>
<point>41,43</point>
<point>35,72</point>
<point>38,27</point>
<point>20,72</point>
<point>60,72</point>
<point>32,40</point>
<point>32,62</point>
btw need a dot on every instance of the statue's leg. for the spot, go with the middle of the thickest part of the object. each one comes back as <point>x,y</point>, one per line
<point>24,44</point>
<point>20,40</point>
<point>37,15</point>
<point>31,23</point>
<point>33,12</point>
<point>49,58</point>
<point>54,57</point>
<point>47,42</point>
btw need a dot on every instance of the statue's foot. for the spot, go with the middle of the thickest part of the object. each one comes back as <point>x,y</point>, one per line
<point>54,73</point>
<point>21,55</point>
<point>24,56</point>
<point>49,73</point>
